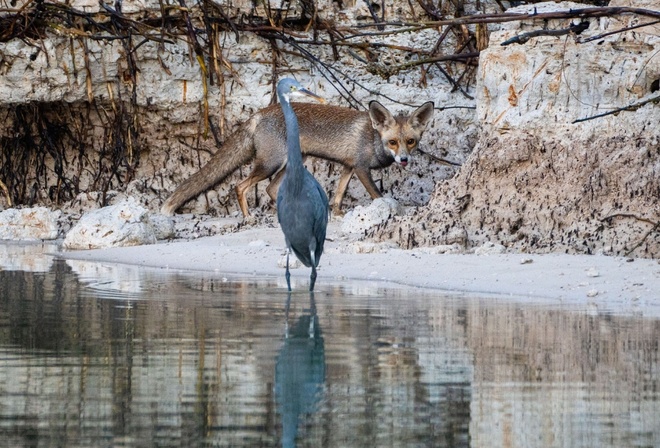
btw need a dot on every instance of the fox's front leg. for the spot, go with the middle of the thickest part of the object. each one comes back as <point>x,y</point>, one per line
<point>342,186</point>
<point>368,182</point>
<point>365,178</point>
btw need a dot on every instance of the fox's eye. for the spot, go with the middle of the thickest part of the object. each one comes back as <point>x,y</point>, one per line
<point>392,142</point>
<point>411,141</point>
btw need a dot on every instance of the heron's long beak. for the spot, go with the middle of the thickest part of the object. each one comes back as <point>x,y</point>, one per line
<point>312,95</point>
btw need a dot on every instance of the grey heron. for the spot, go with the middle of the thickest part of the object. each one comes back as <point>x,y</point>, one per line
<point>302,205</point>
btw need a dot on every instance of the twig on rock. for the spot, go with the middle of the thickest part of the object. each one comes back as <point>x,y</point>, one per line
<point>439,159</point>
<point>622,30</point>
<point>656,225</point>
<point>631,107</point>
<point>523,38</point>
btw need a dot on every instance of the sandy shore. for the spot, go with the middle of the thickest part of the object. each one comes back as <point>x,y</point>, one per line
<point>627,285</point>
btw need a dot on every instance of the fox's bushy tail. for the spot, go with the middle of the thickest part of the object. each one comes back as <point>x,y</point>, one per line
<point>236,151</point>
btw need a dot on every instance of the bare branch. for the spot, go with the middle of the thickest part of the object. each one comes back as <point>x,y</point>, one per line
<point>523,38</point>
<point>622,30</point>
<point>655,226</point>
<point>631,107</point>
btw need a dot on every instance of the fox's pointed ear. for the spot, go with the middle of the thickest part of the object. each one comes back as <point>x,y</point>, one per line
<point>420,118</point>
<point>380,116</point>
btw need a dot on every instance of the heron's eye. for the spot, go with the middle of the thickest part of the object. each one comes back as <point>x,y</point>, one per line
<point>392,142</point>
<point>411,141</point>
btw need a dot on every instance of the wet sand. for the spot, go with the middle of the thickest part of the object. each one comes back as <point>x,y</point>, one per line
<point>612,283</point>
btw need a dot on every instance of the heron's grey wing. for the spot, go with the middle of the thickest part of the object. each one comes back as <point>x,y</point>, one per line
<point>296,217</point>
<point>311,223</point>
<point>321,214</point>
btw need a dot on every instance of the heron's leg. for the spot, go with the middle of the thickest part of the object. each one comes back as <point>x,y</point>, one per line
<point>312,278</point>
<point>312,315</point>
<point>288,274</point>
<point>312,257</point>
<point>286,315</point>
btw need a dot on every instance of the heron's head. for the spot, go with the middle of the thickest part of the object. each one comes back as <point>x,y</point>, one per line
<point>289,88</point>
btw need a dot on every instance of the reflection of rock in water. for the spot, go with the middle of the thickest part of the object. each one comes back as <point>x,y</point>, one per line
<point>299,373</point>
<point>29,257</point>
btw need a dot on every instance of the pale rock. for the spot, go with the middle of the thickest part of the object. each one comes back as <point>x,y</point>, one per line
<point>88,6</point>
<point>441,249</point>
<point>163,226</point>
<point>38,223</point>
<point>363,247</point>
<point>592,272</point>
<point>549,82</point>
<point>294,263</point>
<point>362,218</point>
<point>123,224</point>
<point>489,248</point>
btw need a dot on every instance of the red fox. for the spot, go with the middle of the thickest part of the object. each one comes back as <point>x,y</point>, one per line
<point>360,141</point>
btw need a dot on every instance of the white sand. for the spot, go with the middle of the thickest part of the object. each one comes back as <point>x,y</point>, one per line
<point>608,283</point>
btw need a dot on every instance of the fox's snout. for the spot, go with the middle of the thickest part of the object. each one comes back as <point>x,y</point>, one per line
<point>399,151</point>
<point>400,135</point>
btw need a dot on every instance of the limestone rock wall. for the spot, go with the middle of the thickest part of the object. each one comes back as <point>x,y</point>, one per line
<point>89,121</point>
<point>539,181</point>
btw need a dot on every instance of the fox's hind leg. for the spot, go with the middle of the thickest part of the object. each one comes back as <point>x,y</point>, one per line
<point>274,184</point>
<point>258,174</point>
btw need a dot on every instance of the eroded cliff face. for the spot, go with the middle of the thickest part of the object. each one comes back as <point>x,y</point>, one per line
<point>89,121</point>
<point>538,179</point>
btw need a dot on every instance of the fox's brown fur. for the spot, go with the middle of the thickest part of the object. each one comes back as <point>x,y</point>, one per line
<point>360,141</point>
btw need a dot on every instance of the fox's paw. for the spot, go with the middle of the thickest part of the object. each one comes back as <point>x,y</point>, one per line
<point>337,211</point>
<point>250,220</point>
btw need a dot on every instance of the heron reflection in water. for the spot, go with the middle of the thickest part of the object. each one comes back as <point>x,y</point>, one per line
<point>299,372</point>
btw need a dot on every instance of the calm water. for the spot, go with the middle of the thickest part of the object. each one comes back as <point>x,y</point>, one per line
<point>95,355</point>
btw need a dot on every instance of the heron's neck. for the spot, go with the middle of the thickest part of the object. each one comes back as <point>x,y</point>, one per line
<point>294,167</point>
